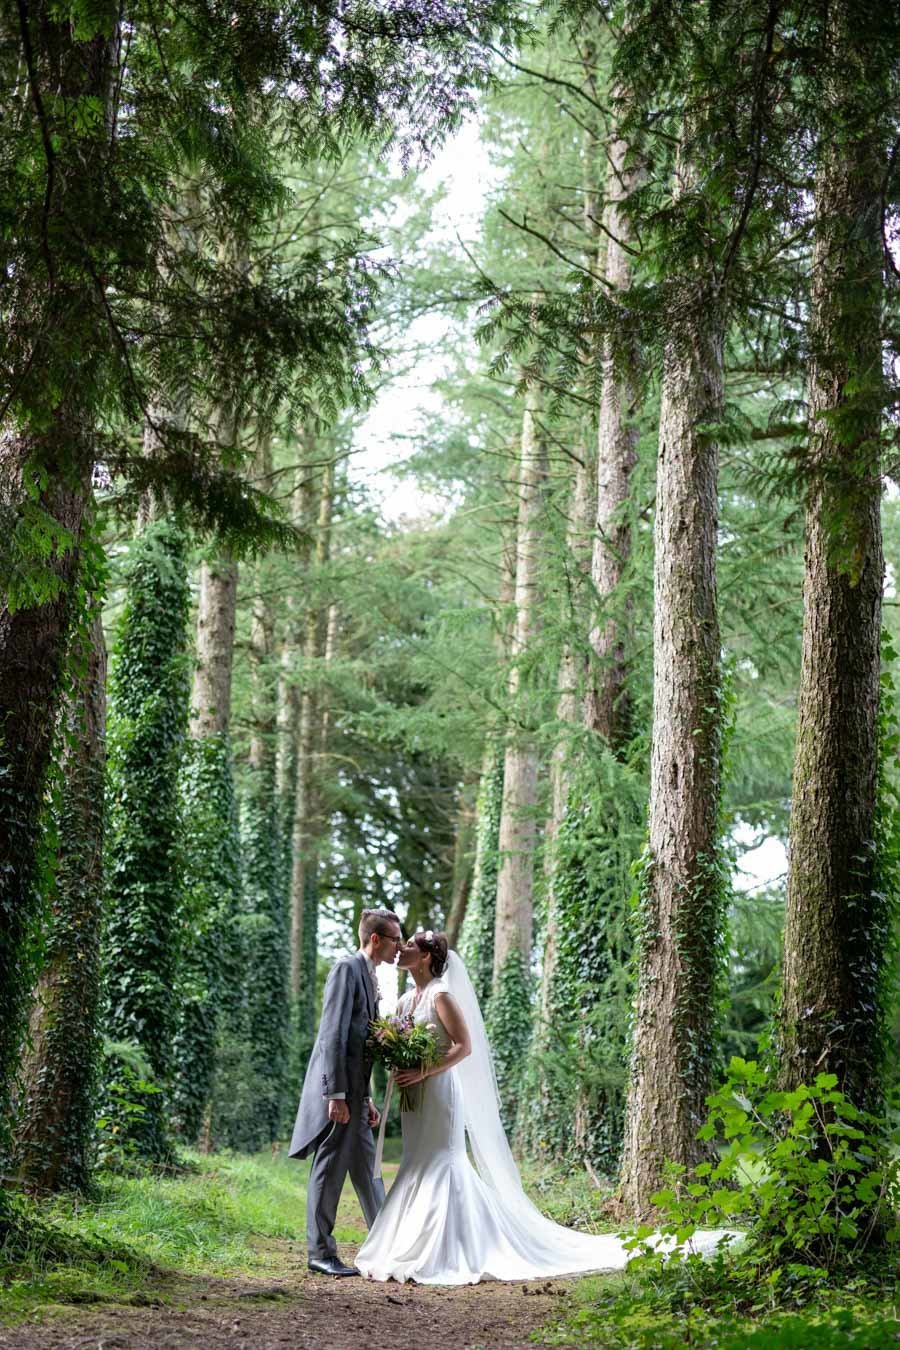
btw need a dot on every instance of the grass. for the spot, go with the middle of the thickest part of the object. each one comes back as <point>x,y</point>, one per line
<point>137,1237</point>
<point>568,1196</point>
<point>147,1238</point>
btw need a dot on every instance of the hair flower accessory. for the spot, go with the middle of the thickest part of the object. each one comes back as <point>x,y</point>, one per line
<point>429,936</point>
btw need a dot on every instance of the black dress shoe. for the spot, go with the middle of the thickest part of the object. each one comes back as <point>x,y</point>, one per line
<point>332,1265</point>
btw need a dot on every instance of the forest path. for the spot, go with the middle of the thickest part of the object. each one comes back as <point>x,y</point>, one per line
<point>295,1308</point>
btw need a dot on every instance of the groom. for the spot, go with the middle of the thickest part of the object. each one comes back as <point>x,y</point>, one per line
<point>336,1115</point>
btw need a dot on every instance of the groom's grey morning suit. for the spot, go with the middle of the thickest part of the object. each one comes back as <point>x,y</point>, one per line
<point>339,1066</point>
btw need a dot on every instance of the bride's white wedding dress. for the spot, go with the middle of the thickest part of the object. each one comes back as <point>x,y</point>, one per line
<point>446,1221</point>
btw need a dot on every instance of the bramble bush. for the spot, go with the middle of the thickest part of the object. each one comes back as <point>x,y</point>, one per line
<point>811,1177</point>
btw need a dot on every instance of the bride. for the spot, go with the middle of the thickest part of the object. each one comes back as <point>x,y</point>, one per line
<point>446,1221</point>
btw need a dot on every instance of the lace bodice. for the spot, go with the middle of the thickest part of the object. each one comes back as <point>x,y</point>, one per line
<point>425,1011</point>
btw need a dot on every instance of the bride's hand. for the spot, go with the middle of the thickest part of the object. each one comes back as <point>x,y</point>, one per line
<point>408,1077</point>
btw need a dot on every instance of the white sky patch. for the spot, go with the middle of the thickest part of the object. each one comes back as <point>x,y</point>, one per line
<point>762,864</point>
<point>388,433</point>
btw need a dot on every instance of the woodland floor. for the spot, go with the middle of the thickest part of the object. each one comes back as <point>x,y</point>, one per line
<point>222,1263</point>
<point>294,1308</point>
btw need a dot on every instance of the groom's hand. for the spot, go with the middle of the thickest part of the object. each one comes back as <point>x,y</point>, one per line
<point>374,1115</point>
<point>338,1111</point>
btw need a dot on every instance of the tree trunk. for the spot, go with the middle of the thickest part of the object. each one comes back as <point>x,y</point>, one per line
<point>477,934</point>
<point>509,1012</point>
<point>33,643</point>
<point>303,508</point>
<point>149,700</point>
<point>45,462</point>
<point>681,906</point>
<point>518,822</point>
<point>212,894</point>
<point>307,823</point>
<point>59,1072</point>
<point>268,964</point>
<point>569,704</point>
<point>211,696</point>
<point>837,922</point>
<point>606,711</point>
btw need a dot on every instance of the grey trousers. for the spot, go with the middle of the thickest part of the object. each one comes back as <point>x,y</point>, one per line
<point>346,1148</point>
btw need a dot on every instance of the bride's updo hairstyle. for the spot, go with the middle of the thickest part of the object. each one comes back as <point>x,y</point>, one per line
<point>437,946</point>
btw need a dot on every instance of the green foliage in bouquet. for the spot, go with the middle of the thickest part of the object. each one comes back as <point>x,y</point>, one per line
<point>400,1043</point>
<point>811,1174</point>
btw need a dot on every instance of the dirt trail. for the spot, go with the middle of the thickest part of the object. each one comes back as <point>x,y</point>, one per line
<point>299,1310</point>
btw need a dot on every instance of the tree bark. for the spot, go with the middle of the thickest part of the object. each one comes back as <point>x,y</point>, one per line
<point>211,695</point>
<point>569,709</point>
<point>33,643</point>
<point>307,823</point>
<point>836,921</point>
<point>211,857</point>
<point>680,925</point>
<point>477,933</point>
<point>268,1006</point>
<point>45,461</point>
<point>303,508</point>
<point>518,824</point>
<point>606,709</point>
<point>59,1071</point>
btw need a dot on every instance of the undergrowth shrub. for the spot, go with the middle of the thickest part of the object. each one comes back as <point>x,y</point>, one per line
<point>811,1176</point>
<point>126,1125</point>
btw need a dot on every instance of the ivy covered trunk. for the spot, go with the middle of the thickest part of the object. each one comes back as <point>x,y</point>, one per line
<point>594,818</point>
<point>681,906</point>
<point>212,894</point>
<point>837,925</point>
<point>545,1126</point>
<point>476,938</point>
<point>267,926</point>
<point>291,653</point>
<point>47,446</point>
<point>509,1021</point>
<point>59,1072</point>
<point>476,942</point>
<point>33,643</point>
<point>148,721</point>
<point>597,940</point>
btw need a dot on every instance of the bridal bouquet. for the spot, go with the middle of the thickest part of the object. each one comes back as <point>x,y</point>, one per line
<point>401,1043</point>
